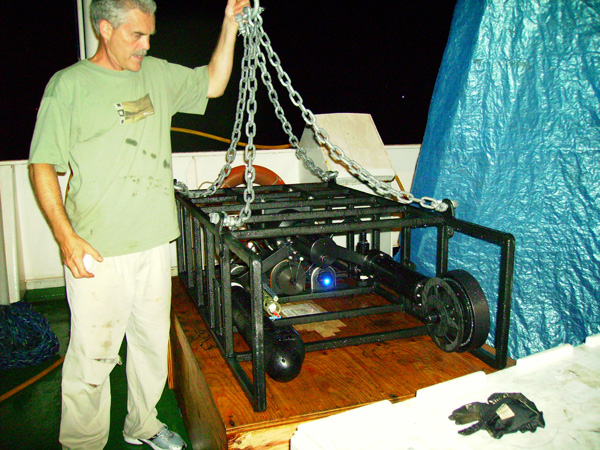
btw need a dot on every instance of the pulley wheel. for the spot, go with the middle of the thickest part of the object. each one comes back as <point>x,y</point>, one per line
<point>288,277</point>
<point>444,314</point>
<point>456,311</point>
<point>475,305</point>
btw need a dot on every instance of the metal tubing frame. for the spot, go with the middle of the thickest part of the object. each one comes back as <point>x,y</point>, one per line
<point>204,250</point>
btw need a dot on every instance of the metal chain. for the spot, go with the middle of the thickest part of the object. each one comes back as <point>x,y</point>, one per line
<point>250,23</point>
<point>252,41</point>
<point>335,152</point>
<point>296,100</point>
<point>254,36</point>
<point>239,120</point>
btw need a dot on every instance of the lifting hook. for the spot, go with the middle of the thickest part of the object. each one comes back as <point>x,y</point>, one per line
<point>248,16</point>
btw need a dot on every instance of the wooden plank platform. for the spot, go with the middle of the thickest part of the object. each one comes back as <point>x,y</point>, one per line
<point>219,416</point>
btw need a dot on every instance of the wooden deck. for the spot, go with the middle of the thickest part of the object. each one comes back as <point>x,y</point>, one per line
<point>219,416</point>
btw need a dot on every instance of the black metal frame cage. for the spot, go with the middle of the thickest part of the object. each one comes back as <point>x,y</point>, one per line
<point>210,253</point>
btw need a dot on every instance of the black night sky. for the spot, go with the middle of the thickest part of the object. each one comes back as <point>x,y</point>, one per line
<point>366,57</point>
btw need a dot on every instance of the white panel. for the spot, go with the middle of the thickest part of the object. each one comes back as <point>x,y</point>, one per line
<point>32,255</point>
<point>4,294</point>
<point>41,254</point>
<point>8,282</point>
<point>198,170</point>
<point>357,136</point>
<point>88,43</point>
<point>404,161</point>
<point>10,231</point>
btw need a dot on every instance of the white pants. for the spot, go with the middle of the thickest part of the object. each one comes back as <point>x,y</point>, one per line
<point>130,296</point>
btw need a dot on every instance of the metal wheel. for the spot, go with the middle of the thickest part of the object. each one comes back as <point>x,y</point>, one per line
<point>456,311</point>
<point>476,310</point>
<point>444,314</point>
<point>288,277</point>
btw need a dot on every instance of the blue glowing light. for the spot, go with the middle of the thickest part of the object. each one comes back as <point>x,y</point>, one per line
<point>325,280</point>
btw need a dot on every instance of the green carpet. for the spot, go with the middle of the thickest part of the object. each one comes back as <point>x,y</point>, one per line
<point>30,419</point>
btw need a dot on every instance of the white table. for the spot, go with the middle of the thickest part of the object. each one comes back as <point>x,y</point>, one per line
<point>563,382</point>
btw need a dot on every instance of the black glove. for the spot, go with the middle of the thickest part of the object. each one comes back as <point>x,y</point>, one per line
<point>504,413</point>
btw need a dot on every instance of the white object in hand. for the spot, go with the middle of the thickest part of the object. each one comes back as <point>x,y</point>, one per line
<point>89,262</point>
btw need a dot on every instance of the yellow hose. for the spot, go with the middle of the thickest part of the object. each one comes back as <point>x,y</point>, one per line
<point>32,380</point>
<point>228,141</point>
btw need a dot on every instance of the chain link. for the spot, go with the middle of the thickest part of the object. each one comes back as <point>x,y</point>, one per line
<point>255,37</point>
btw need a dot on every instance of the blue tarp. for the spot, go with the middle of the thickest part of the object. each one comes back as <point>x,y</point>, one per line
<point>513,135</point>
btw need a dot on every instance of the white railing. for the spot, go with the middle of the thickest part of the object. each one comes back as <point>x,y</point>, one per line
<point>30,254</point>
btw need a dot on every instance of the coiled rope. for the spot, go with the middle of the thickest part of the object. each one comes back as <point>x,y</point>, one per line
<point>25,336</point>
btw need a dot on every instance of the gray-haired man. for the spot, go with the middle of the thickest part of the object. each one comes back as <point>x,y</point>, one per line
<point>107,119</point>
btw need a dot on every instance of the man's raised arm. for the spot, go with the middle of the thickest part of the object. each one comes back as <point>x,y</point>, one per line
<point>221,63</point>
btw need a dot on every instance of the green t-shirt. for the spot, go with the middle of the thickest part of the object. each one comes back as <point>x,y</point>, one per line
<point>112,129</point>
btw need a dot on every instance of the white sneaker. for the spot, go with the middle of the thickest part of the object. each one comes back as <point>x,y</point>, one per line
<point>165,439</point>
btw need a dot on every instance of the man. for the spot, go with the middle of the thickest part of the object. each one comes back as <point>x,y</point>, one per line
<point>107,119</point>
